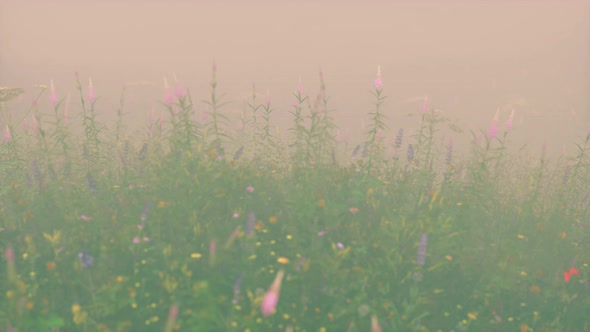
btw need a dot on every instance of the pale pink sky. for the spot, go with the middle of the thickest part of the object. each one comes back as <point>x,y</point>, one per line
<point>469,58</point>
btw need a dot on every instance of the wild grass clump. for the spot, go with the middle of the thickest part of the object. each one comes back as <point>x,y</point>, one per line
<point>189,226</point>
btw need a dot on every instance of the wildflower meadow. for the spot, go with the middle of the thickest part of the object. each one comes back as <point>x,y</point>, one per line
<point>190,224</point>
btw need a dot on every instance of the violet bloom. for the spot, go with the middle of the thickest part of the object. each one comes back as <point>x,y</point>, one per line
<point>422,249</point>
<point>85,259</point>
<point>238,288</point>
<point>250,224</point>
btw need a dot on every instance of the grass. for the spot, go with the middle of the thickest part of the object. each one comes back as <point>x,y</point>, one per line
<point>186,225</point>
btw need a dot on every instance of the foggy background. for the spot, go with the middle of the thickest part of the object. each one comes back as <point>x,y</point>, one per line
<point>469,58</point>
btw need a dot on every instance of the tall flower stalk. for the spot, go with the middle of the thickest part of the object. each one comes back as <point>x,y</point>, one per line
<point>373,142</point>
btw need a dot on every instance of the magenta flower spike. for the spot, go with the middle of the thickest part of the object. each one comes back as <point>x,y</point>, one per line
<point>378,80</point>
<point>425,105</point>
<point>375,327</point>
<point>267,99</point>
<point>52,94</point>
<point>271,297</point>
<point>493,128</point>
<point>91,95</point>
<point>7,136</point>
<point>300,87</point>
<point>508,124</point>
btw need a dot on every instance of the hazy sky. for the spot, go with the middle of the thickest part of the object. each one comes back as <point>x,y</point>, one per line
<point>470,57</point>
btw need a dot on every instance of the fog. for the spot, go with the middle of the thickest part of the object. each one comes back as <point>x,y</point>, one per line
<point>469,58</point>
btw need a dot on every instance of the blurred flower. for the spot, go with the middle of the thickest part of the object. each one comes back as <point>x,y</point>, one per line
<point>399,138</point>
<point>340,245</point>
<point>250,224</point>
<point>508,124</point>
<point>422,249</point>
<point>250,189</point>
<point>85,259</point>
<point>353,210</point>
<point>410,153</point>
<point>425,105</point>
<point>172,315</point>
<point>237,288</point>
<point>271,297</point>
<point>493,128</point>
<point>7,136</point>
<point>375,327</point>
<point>567,274</point>
<point>283,260</point>
<point>267,98</point>
<point>378,80</point>
<point>85,217</point>
<point>300,87</point>
<point>212,251</point>
<point>136,240</point>
<point>321,233</point>
<point>235,215</point>
<point>91,96</point>
<point>52,95</point>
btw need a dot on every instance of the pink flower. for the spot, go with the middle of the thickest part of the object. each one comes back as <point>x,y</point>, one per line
<point>340,245</point>
<point>493,128</point>
<point>508,124</point>
<point>136,240</point>
<point>300,87</point>
<point>85,217</point>
<point>321,233</point>
<point>271,297</point>
<point>375,327</point>
<point>7,136</point>
<point>235,215</point>
<point>250,189</point>
<point>425,105</point>
<point>91,96</point>
<point>378,80</point>
<point>52,95</point>
<point>267,99</point>
<point>9,254</point>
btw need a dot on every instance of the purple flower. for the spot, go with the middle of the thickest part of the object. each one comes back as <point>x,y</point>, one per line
<point>422,249</point>
<point>410,153</point>
<point>85,259</point>
<point>250,224</point>
<point>399,138</point>
<point>237,288</point>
